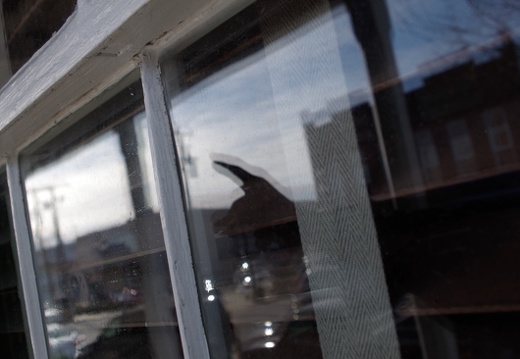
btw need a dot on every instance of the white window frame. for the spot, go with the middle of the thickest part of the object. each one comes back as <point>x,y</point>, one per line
<point>101,43</point>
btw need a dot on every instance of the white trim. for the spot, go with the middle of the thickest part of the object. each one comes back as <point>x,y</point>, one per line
<point>98,42</point>
<point>172,213</point>
<point>24,255</point>
<point>71,60</point>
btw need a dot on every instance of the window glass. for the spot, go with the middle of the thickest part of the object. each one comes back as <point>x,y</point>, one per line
<point>99,253</point>
<point>351,177</point>
<point>12,322</point>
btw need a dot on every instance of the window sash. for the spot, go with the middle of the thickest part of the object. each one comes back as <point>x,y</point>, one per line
<point>72,71</point>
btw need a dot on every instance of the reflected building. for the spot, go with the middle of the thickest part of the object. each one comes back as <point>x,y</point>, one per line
<point>449,246</point>
<point>111,276</point>
<point>462,130</point>
<point>465,130</point>
<point>106,291</point>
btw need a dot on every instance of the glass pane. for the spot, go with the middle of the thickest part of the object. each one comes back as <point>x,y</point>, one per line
<point>254,107</point>
<point>351,177</point>
<point>25,26</point>
<point>98,247</point>
<point>12,322</point>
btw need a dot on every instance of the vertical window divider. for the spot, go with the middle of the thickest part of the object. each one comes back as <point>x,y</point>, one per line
<point>172,212</point>
<point>32,308</point>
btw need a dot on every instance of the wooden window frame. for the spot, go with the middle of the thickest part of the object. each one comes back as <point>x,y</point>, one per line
<point>101,43</point>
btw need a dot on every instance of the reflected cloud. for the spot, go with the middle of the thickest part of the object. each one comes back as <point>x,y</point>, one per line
<point>66,188</point>
<point>99,252</point>
<point>72,178</point>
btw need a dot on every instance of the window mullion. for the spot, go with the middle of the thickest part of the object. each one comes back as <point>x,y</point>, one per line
<point>24,255</point>
<point>172,213</point>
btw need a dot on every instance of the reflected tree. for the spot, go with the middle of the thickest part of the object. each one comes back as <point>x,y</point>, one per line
<point>461,22</point>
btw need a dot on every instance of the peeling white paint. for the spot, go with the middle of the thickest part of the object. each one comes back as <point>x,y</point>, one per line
<point>96,47</point>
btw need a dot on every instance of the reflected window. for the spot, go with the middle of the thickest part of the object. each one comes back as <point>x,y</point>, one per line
<point>99,253</point>
<point>13,338</point>
<point>461,145</point>
<point>428,155</point>
<point>499,135</point>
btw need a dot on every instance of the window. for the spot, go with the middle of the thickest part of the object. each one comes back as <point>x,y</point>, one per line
<point>272,235</point>
<point>99,252</point>
<point>319,179</point>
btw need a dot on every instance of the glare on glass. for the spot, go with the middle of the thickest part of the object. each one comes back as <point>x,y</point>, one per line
<point>99,253</point>
<point>351,177</point>
<point>13,338</point>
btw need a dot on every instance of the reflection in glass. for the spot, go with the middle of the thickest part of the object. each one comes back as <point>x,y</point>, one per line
<point>13,340</point>
<point>98,247</point>
<point>322,141</point>
<point>284,268</point>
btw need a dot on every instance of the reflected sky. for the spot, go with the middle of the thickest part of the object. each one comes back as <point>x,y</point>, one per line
<point>424,31</point>
<point>218,117</point>
<point>217,114</point>
<point>87,189</point>
<point>81,204</point>
<point>240,112</point>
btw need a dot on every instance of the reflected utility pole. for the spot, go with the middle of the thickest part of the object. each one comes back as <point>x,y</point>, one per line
<point>52,205</point>
<point>158,300</point>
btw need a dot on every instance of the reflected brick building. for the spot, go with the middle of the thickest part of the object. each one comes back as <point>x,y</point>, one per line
<point>449,244</point>
<point>463,130</point>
